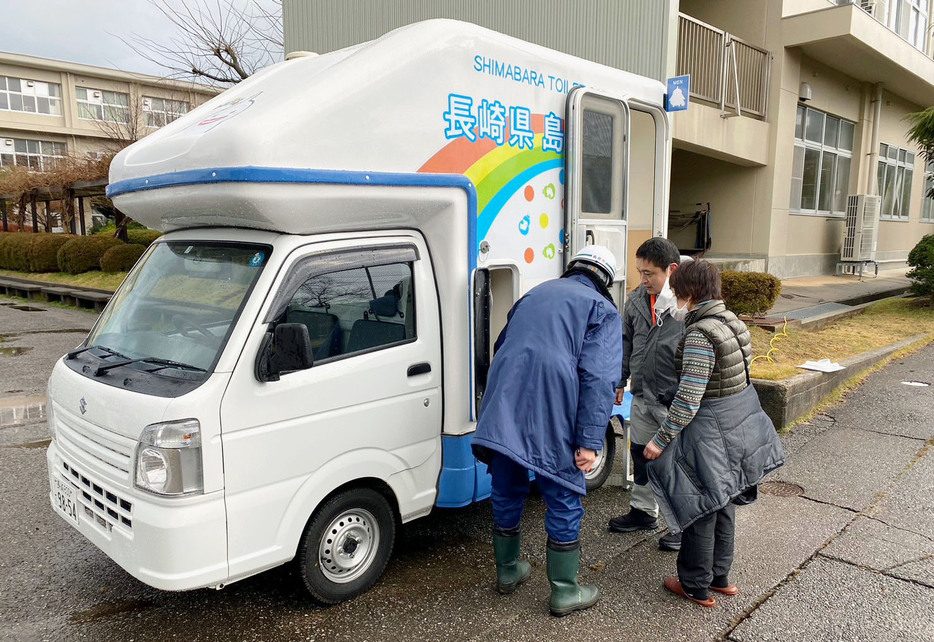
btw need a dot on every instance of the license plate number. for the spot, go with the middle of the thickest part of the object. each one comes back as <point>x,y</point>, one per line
<point>63,496</point>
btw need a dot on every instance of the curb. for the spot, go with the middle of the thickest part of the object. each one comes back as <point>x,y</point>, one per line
<point>787,400</point>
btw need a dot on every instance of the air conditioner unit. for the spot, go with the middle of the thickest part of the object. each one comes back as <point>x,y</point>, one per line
<point>862,228</point>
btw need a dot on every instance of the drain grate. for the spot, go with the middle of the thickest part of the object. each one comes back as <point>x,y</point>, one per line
<point>780,489</point>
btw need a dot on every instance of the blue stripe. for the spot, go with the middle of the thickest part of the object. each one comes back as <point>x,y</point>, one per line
<point>491,210</point>
<point>251,174</point>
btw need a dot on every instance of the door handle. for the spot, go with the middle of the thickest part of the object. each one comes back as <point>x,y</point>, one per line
<point>419,368</point>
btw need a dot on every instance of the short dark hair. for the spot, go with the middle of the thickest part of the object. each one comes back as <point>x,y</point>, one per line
<point>659,251</point>
<point>698,279</point>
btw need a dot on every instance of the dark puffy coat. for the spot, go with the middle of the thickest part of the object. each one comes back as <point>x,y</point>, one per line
<point>553,379</point>
<point>726,450</point>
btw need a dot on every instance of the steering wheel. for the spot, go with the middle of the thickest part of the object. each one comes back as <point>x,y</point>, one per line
<point>183,324</point>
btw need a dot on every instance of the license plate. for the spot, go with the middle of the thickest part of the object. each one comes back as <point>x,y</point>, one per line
<point>63,496</point>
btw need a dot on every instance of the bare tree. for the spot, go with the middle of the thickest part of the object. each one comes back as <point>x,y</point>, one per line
<point>217,41</point>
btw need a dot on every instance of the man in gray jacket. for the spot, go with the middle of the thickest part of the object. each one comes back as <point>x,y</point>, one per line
<point>650,339</point>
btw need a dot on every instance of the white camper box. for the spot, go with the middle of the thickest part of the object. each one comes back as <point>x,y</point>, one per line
<point>297,364</point>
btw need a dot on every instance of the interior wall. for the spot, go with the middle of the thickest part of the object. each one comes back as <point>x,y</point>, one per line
<point>730,190</point>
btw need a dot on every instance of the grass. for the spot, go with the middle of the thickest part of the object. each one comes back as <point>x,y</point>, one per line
<point>95,279</point>
<point>882,324</point>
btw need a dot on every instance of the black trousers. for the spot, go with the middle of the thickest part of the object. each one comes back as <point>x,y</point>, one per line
<point>706,553</point>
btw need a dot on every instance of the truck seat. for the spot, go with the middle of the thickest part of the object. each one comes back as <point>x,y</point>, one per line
<point>367,333</point>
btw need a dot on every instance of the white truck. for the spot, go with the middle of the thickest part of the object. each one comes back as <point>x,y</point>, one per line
<point>295,367</point>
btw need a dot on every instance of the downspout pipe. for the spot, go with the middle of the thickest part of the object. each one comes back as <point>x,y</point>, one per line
<point>872,185</point>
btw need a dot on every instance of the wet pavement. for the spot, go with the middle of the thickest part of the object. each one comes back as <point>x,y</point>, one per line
<point>849,558</point>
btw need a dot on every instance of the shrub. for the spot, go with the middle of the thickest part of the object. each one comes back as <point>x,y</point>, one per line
<point>13,247</point>
<point>42,254</point>
<point>120,258</point>
<point>921,259</point>
<point>83,254</point>
<point>750,293</point>
<point>143,237</point>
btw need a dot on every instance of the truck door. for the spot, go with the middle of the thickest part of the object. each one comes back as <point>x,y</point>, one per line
<point>368,408</point>
<point>616,160</point>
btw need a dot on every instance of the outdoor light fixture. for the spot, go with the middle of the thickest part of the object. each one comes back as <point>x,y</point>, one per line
<point>804,92</point>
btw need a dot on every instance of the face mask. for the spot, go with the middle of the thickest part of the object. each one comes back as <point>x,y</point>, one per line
<point>680,314</point>
<point>666,301</point>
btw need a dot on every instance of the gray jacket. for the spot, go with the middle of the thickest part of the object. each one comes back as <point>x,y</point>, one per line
<point>726,450</point>
<point>649,351</point>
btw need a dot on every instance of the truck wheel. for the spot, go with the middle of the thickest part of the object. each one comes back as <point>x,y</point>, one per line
<point>604,464</point>
<point>346,545</point>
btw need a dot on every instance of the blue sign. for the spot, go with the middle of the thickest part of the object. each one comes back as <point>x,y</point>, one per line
<point>679,93</point>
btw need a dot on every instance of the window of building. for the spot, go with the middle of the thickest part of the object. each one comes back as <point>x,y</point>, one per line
<point>34,154</point>
<point>162,111</point>
<point>98,104</point>
<point>927,205</point>
<point>821,168</point>
<point>896,167</point>
<point>909,19</point>
<point>356,310</point>
<point>30,96</point>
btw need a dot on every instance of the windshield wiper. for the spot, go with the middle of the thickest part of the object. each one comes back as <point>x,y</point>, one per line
<point>162,363</point>
<point>74,353</point>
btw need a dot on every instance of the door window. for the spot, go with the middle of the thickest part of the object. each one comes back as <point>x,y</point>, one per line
<point>355,310</point>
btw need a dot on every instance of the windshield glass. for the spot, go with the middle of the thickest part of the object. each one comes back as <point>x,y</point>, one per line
<point>179,303</point>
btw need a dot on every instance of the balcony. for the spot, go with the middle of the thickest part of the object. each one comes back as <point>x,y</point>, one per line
<point>852,39</point>
<point>725,71</point>
<point>729,78</point>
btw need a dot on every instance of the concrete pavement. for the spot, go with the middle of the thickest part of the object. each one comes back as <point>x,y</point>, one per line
<point>851,558</point>
<point>812,296</point>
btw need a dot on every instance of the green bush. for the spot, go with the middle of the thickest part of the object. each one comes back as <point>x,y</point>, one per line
<point>921,259</point>
<point>42,253</point>
<point>120,258</point>
<point>750,293</point>
<point>13,248</point>
<point>143,237</point>
<point>83,254</point>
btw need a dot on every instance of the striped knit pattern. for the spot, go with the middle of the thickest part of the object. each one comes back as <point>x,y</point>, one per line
<point>697,366</point>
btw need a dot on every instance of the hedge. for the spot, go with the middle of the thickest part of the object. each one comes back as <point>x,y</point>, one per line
<point>83,254</point>
<point>750,293</point>
<point>121,258</point>
<point>921,260</point>
<point>42,252</point>
<point>13,247</point>
<point>142,237</point>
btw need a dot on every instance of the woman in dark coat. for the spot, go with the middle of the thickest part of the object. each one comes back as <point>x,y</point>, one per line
<point>716,444</point>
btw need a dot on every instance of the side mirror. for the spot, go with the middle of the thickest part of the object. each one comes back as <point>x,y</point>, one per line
<point>286,350</point>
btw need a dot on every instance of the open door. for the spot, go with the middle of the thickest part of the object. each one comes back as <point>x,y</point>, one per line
<point>598,178</point>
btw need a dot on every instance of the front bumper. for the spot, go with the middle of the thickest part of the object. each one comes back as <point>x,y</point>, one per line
<point>172,544</point>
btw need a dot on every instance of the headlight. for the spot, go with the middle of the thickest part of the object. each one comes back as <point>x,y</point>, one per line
<point>168,458</point>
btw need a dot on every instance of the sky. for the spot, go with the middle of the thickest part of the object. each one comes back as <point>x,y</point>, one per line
<point>84,31</point>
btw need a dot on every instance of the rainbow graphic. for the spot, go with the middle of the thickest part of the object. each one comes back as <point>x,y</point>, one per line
<point>518,189</point>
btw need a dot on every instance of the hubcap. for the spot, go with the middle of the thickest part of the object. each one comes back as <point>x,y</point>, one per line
<point>598,463</point>
<point>348,546</point>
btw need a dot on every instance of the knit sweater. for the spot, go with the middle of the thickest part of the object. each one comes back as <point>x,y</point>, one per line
<point>697,366</point>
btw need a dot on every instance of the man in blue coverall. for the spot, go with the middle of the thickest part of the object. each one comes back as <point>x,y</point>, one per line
<point>549,397</point>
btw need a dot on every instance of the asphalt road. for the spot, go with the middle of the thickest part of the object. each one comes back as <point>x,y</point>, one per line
<point>852,558</point>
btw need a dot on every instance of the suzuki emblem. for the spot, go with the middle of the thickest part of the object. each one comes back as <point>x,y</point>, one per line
<point>83,405</point>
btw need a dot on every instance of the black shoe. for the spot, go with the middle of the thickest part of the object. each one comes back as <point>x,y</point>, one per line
<point>635,520</point>
<point>670,542</point>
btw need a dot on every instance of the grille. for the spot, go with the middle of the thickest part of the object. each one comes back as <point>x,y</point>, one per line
<point>103,507</point>
<point>110,453</point>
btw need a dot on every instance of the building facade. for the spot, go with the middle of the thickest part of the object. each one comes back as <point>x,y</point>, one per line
<point>51,109</point>
<point>795,105</point>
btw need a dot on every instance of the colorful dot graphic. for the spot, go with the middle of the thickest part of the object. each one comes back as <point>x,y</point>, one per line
<point>543,221</point>
<point>529,193</point>
<point>529,255</point>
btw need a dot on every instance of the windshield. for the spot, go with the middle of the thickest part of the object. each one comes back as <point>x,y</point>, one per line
<point>178,305</point>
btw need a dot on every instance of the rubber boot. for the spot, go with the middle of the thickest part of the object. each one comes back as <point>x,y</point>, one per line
<point>510,571</point>
<point>563,565</point>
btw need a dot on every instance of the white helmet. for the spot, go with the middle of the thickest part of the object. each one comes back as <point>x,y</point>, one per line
<point>599,257</point>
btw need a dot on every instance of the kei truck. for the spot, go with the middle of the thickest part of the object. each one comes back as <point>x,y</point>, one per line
<point>295,367</point>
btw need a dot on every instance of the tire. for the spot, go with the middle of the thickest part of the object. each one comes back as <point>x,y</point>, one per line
<point>364,527</point>
<point>604,464</point>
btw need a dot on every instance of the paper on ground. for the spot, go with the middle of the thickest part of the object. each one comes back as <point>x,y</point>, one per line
<point>824,365</point>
